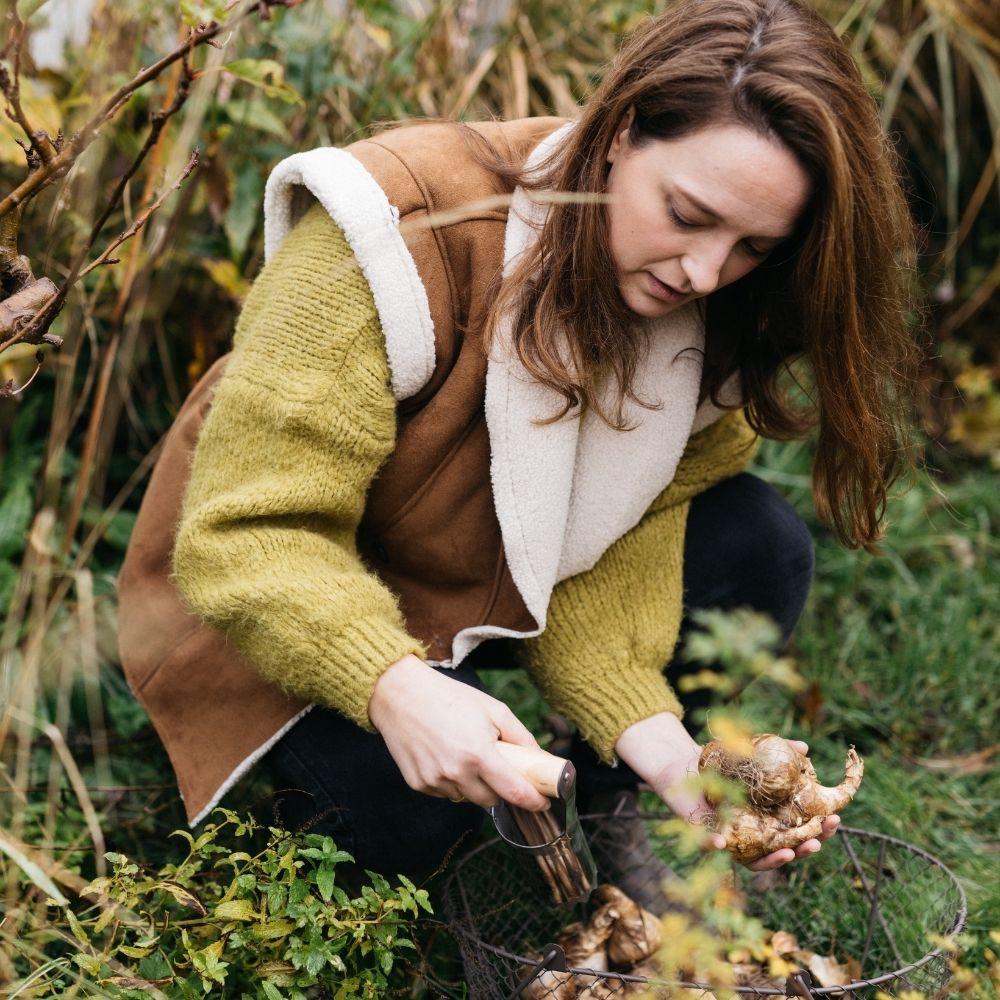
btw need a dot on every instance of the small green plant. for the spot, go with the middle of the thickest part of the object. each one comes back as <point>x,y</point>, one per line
<point>265,925</point>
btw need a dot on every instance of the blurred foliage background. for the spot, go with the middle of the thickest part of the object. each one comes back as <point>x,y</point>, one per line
<point>79,767</point>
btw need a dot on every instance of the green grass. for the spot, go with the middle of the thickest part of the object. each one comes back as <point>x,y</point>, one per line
<point>902,651</point>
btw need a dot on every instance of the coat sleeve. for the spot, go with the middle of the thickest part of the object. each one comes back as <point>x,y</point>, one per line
<point>299,425</point>
<point>612,630</point>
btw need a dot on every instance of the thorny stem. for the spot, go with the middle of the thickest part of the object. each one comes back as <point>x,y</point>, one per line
<point>40,141</point>
<point>57,158</point>
<point>143,216</point>
<point>79,142</point>
<point>77,270</point>
<point>159,120</point>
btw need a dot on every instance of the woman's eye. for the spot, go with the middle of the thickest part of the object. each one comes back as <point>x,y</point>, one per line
<point>679,220</point>
<point>755,251</point>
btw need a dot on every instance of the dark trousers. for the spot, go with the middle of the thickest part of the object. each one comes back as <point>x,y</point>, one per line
<point>744,547</point>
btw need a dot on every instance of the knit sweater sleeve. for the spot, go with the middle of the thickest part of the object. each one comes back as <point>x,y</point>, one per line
<point>299,425</point>
<point>612,629</point>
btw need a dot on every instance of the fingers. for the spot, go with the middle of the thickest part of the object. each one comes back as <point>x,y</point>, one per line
<point>509,784</point>
<point>483,778</point>
<point>773,860</point>
<point>510,728</point>
<point>804,850</point>
<point>802,747</point>
<point>715,842</point>
<point>830,826</point>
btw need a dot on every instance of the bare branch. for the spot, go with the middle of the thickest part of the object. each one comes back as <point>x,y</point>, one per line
<point>82,139</point>
<point>15,269</point>
<point>19,310</point>
<point>40,140</point>
<point>29,319</point>
<point>77,143</point>
<point>159,120</point>
<point>143,217</point>
<point>7,388</point>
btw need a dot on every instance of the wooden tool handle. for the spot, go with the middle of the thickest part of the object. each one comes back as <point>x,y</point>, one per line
<point>546,771</point>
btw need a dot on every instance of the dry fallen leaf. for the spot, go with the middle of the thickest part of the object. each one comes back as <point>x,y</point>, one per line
<point>978,762</point>
<point>825,969</point>
<point>784,942</point>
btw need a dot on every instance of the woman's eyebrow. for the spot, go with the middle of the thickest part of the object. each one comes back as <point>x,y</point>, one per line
<point>702,207</point>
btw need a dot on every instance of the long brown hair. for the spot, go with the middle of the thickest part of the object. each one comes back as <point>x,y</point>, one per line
<point>836,293</point>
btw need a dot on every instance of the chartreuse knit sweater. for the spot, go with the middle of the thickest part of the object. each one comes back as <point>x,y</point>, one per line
<point>299,426</point>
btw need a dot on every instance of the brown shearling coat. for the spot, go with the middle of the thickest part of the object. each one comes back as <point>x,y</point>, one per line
<point>434,488</point>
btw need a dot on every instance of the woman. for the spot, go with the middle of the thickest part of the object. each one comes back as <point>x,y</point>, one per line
<point>411,468</point>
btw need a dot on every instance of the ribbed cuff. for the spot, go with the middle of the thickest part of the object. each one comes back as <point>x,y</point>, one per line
<point>365,651</point>
<point>612,701</point>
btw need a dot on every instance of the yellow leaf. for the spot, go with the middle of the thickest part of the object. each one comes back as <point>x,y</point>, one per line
<point>227,276</point>
<point>273,929</point>
<point>134,952</point>
<point>733,733</point>
<point>183,896</point>
<point>42,112</point>
<point>975,381</point>
<point>378,35</point>
<point>780,968</point>
<point>236,909</point>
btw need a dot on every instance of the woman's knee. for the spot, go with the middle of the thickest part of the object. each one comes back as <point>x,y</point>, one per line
<point>747,546</point>
<point>335,779</point>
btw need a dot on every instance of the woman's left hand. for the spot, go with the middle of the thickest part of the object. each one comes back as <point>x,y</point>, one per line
<point>662,752</point>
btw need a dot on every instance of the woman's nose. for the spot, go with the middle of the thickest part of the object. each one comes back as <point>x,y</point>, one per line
<point>703,268</point>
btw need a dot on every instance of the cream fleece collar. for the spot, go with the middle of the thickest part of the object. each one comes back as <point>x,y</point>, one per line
<point>563,492</point>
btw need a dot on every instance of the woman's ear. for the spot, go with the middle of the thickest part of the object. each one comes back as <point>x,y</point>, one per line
<point>621,140</point>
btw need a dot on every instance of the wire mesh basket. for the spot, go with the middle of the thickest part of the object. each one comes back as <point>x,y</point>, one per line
<point>889,899</point>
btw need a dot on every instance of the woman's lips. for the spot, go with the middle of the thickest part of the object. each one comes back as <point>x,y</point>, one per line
<point>663,292</point>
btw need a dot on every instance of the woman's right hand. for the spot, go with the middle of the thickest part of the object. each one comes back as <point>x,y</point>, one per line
<point>442,734</point>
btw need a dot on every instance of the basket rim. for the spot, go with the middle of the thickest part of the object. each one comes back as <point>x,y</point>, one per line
<point>844,833</point>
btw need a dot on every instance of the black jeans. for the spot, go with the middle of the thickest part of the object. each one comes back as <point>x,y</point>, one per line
<point>744,547</point>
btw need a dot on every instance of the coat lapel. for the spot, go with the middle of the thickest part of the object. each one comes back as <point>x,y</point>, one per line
<point>564,492</point>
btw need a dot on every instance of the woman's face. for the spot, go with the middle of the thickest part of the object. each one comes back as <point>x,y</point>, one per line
<point>689,215</point>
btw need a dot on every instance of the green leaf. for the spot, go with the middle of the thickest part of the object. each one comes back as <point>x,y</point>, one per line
<point>76,927</point>
<point>245,210</point>
<point>385,959</point>
<point>89,963</point>
<point>134,952</point>
<point>255,114</point>
<point>16,509</point>
<point>196,12</point>
<point>324,881</point>
<point>379,884</point>
<point>271,991</point>
<point>156,967</point>
<point>25,8</point>
<point>266,74</point>
<point>276,896</point>
<point>273,929</point>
